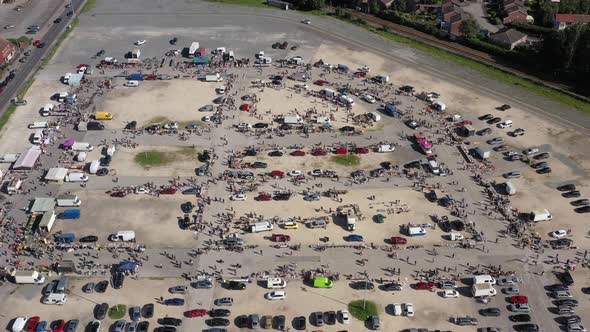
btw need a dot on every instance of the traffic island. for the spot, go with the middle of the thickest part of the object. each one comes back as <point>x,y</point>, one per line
<point>118,311</point>
<point>346,160</point>
<point>362,309</point>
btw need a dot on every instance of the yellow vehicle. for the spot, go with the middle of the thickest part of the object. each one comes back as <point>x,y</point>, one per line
<point>103,116</point>
<point>322,282</point>
<point>290,225</point>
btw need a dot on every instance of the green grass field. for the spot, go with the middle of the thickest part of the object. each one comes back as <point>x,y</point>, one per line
<point>361,310</point>
<point>88,6</point>
<point>118,311</point>
<point>346,159</point>
<point>154,158</point>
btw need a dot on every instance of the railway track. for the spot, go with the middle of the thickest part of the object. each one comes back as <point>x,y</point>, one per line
<point>461,50</point>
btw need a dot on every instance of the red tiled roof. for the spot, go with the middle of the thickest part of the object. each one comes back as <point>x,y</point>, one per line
<point>572,18</point>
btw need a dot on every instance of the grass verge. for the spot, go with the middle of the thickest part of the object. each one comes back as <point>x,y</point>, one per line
<point>6,116</point>
<point>88,6</point>
<point>346,159</point>
<point>181,124</point>
<point>59,42</point>
<point>361,310</point>
<point>118,311</point>
<point>489,71</point>
<point>154,158</point>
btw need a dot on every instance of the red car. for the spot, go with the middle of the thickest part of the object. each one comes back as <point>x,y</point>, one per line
<point>298,153</point>
<point>519,299</point>
<point>168,191</point>
<point>398,240</point>
<point>321,82</point>
<point>277,174</point>
<point>32,324</point>
<point>463,123</point>
<point>195,313</point>
<point>360,74</point>
<point>280,238</point>
<point>119,194</point>
<point>361,150</point>
<point>36,43</point>
<point>284,45</point>
<point>264,197</point>
<point>319,153</point>
<point>83,65</point>
<point>245,107</point>
<point>58,326</point>
<point>341,151</point>
<point>424,285</point>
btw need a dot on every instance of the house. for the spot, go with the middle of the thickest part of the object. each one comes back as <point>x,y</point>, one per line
<point>509,38</point>
<point>7,51</point>
<point>562,21</point>
<point>454,24</point>
<point>514,11</point>
<point>449,11</point>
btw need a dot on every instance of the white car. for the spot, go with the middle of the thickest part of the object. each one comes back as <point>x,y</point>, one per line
<point>369,99</point>
<point>306,21</point>
<point>19,324</point>
<point>344,316</point>
<point>295,173</point>
<point>450,293</point>
<point>316,172</point>
<point>221,90</point>
<point>238,197</point>
<point>140,42</point>
<point>141,190</point>
<point>558,233</point>
<point>530,151</point>
<point>171,125</point>
<point>505,124</point>
<point>276,295</point>
<point>408,309</point>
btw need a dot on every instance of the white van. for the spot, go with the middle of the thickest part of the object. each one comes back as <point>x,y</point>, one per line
<point>484,278</point>
<point>124,236</point>
<point>76,177</point>
<point>274,283</point>
<point>434,167</point>
<point>37,136</point>
<point>374,116</point>
<point>55,298</point>
<point>346,99</point>
<point>397,309</point>
<point>132,84</point>
<point>39,125</point>
<point>327,92</point>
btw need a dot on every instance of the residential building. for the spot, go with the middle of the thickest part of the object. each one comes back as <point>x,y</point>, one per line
<point>7,51</point>
<point>509,38</point>
<point>562,21</point>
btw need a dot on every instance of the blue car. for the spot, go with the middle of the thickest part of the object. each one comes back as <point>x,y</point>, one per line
<point>41,327</point>
<point>354,238</point>
<point>174,301</point>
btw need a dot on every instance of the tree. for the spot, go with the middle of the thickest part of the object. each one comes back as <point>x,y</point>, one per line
<point>469,28</point>
<point>374,7</point>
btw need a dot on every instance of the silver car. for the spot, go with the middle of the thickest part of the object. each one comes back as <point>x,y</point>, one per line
<point>120,325</point>
<point>178,290</point>
<point>224,301</point>
<point>520,307</point>
<point>135,313</point>
<point>506,281</point>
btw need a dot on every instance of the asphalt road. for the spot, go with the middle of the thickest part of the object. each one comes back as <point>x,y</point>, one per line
<point>34,61</point>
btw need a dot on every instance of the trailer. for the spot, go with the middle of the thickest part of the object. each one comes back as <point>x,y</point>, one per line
<point>216,77</point>
<point>82,146</point>
<point>416,231</point>
<point>47,221</point>
<point>70,214</point>
<point>483,290</point>
<point>28,277</point>
<point>136,77</point>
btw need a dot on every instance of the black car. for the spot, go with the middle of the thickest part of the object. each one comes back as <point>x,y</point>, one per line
<point>275,153</point>
<point>540,165</point>
<point>390,287</point>
<point>281,197</point>
<point>236,285</point>
<point>583,209</point>
<point>165,329</point>
<point>318,318</point>
<point>558,287</point>
<point>191,191</point>
<point>458,225</point>
<point>300,323</point>
<point>89,238</point>
<point>542,156</point>
<point>259,164</point>
<point>493,312</point>
<point>100,53</point>
<point>413,164</point>
<point>347,129</point>
<point>131,125</point>
<point>362,285</point>
<point>187,207</point>
<point>527,327</point>
<point>174,41</point>
<point>250,153</point>
<point>94,326</point>
<point>217,322</point>
<point>148,310</point>
<point>278,322</point>
<point>170,321</point>
<point>102,171</point>
<point>106,160</point>
<point>330,317</point>
<point>545,170</point>
<point>581,202</point>
<point>57,20</point>
<point>241,321</point>
<point>566,278</point>
<point>219,313</point>
<point>571,194</point>
<point>260,125</point>
<point>94,126</point>
<point>566,302</point>
<point>567,187</point>
<point>143,326</point>
<point>100,311</point>
<point>484,132</point>
<point>445,226</point>
<point>219,100</point>
<point>504,107</point>
<point>520,318</point>
<point>486,117</point>
<point>117,280</point>
<point>494,120</point>
<point>386,165</point>
<point>101,287</point>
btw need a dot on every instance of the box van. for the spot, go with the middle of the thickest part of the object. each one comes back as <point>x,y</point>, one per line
<point>39,125</point>
<point>103,116</point>
<point>327,92</point>
<point>261,226</point>
<point>46,110</point>
<point>54,298</point>
<point>273,283</point>
<point>37,136</point>
<point>346,99</point>
<point>132,83</point>
<point>76,177</point>
<point>484,278</point>
<point>125,236</point>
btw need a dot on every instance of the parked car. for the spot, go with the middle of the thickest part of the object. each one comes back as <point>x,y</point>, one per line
<point>147,311</point>
<point>527,327</point>
<point>513,174</point>
<point>354,238</point>
<point>362,285</point>
<point>202,284</point>
<point>580,202</point>
<point>541,156</point>
<point>519,299</point>
<point>522,318</point>
<point>424,285</point>
<point>450,293</point>
<point>174,302</point>
<point>530,151</point>
<point>567,187</point>
<point>224,301</point>
<point>178,290</point>
<point>505,281</point>
<point>195,313</point>
<point>217,322</point>
<point>219,312</point>
<point>466,321</point>
<point>235,285</point>
<point>300,323</point>
<point>408,309</point>
<point>117,280</point>
<point>491,312</point>
<point>516,307</point>
<point>170,321</point>
<point>495,140</point>
<point>572,194</point>
<point>275,295</point>
<point>318,318</point>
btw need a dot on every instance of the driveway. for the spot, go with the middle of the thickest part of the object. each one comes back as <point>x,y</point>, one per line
<point>479,14</point>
